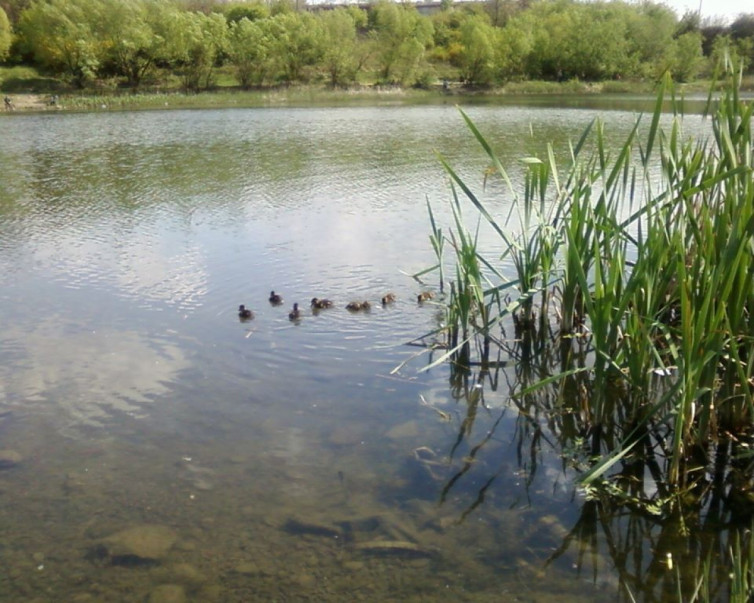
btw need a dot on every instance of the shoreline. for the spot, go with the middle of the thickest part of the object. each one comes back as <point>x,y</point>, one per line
<point>308,96</point>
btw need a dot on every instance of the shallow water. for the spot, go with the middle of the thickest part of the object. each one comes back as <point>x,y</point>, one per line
<point>288,460</point>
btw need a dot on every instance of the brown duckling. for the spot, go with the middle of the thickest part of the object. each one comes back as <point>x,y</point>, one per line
<point>275,299</point>
<point>294,314</point>
<point>425,296</point>
<point>357,306</point>
<point>388,298</point>
<point>321,304</point>
<point>244,313</point>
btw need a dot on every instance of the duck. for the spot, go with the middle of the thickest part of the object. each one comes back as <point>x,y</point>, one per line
<point>275,299</point>
<point>244,313</point>
<point>425,296</point>
<point>388,298</point>
<point>294,314</point>
<point>356,306</point>
<point>320,304</point>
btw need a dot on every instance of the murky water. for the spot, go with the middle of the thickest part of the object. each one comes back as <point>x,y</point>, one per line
<point>157,448</point>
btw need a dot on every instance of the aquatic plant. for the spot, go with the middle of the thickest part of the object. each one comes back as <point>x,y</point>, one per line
<point>632,297</point>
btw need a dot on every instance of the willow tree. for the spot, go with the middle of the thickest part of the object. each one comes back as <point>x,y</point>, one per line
<point>129,32</point>
<point>342,55</point>
<point>60,35</point>
<point>5,35</point>
<point>194,45</point>
<point>295,45</point>
<point>249,48</point>
<point>400,36</point>
<point>477,57</point>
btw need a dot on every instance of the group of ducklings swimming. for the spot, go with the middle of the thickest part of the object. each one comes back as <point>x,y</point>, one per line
<point>275,299</point>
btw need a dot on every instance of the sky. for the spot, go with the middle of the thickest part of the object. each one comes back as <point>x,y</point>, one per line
<point>729,9</point>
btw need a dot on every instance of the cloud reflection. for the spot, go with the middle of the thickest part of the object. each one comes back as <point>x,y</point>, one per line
<point>88,375</point>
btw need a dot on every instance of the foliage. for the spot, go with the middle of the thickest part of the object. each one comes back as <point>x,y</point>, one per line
<point>342,56</point>
<point>633,297</point>
<point>400,37</point>
<point>131,44</point>
<point>687,56</point>
<point>294,44</point>
<point>563,40</point>
<point>477,59</point>
<point>195,42</point>
<point>5,35</point>
<point>61,36</point>
<point>252,11</point>
<point>249,50</point>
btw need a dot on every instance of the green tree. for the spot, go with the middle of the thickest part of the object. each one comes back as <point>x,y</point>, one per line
<point>500,11</point>
<point>477,59</point>
<point>359,17</point>
<point>743,26</point>
<point>130,41</point>
<point>193,44</point>
<point>650,39</point>
<point>249,50</point>
<point>513,45</point>
<point>60,36</point>
<point>742,32</point>
<point>687,56</point>
<point>5,35</point>
<point>342,55</point>
<point>253,11</point>
<point>294,44</point>
<point>598,41</point>
<point>400,36</point>
<point>575,40</point>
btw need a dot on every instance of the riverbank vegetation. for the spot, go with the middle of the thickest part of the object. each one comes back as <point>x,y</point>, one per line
<point>150,45</point>
<point>625,327</point>
<point>620,312</point>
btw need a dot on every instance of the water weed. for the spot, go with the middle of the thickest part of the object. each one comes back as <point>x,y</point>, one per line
<point>632,298</point>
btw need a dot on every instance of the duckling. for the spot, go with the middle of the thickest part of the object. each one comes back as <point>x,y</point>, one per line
<point>356,306</point>
<point>388,298</point>
<point>244,313</point>
<point>275,299</point>
<point>294,314</point>
<point>320,304</point>
<point>425,296</point>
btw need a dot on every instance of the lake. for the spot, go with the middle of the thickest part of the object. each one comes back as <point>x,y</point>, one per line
<point>155,447</point>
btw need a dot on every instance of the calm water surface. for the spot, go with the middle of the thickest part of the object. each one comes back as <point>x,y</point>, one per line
<point>158,447</point>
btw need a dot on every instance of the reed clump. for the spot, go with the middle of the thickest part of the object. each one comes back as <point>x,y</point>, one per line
<point>633,295</point>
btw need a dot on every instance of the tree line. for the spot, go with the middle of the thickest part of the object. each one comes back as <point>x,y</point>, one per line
<point>480,43</point>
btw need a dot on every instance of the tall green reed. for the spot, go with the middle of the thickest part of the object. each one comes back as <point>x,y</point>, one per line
<point>637,264</point>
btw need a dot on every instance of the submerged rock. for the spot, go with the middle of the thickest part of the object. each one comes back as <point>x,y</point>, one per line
<point>397,548</point>
<point>139,545</point>
<point>187,574</point>
<point>301,528</point>
<point>9,458</point>
<point>168,593</point>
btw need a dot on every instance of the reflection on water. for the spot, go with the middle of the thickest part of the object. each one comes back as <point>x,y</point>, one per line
<point>152,445</point>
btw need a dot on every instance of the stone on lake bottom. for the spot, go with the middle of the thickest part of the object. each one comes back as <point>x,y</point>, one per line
<point>9,458</point>
<point>147,542</point>
<point>168,593</point>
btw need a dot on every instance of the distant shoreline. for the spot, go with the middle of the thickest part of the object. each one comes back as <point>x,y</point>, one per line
<point>297,96</point>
